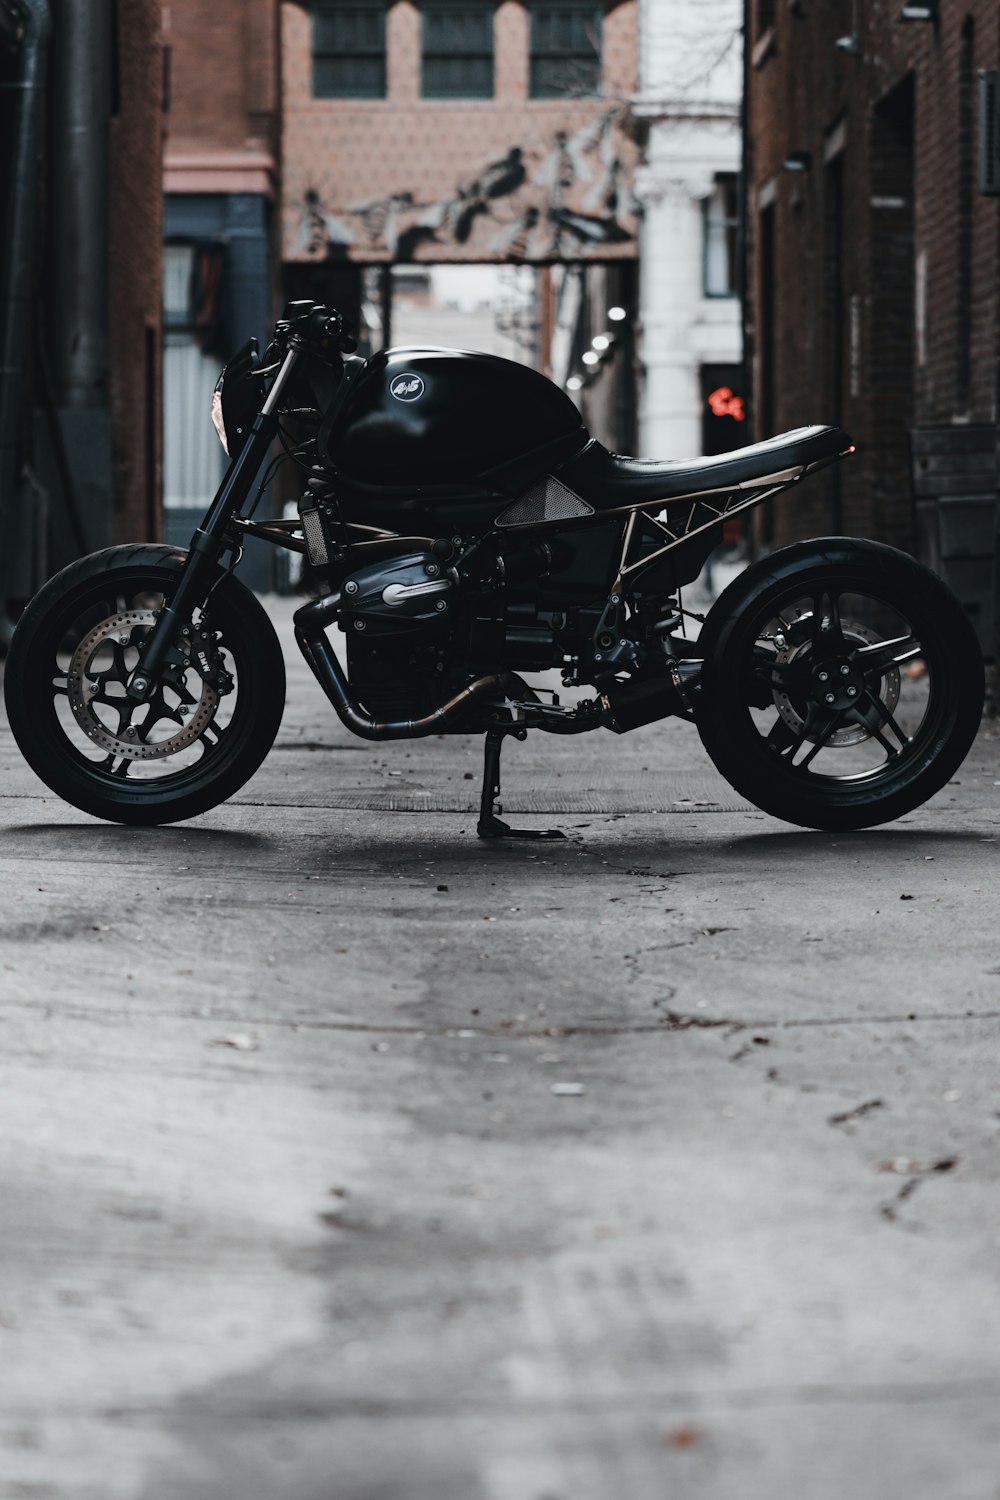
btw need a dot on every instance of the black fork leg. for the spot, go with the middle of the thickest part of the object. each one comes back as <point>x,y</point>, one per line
<point>209,540</point>
<point>490,826</point>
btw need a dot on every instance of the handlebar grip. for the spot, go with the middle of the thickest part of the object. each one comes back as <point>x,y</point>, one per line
<point>326,323</point>
<point>331,325</point>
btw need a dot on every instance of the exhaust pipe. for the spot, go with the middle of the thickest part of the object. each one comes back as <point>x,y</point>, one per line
<point>629,705</point>
<point>310,621</point>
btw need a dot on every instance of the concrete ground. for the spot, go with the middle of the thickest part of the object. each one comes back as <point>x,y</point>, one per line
<point>345,1157</point>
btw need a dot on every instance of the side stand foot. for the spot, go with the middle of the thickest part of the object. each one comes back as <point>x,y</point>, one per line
<point>489,825</point>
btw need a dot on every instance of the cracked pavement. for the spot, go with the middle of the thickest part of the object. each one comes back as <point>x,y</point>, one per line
<point>348,1158</point>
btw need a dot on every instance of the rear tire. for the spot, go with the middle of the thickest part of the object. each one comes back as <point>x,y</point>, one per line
<point>200,738</point>
<point>792,637</point>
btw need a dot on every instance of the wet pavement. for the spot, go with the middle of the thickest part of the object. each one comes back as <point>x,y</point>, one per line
<point>348,1158</point>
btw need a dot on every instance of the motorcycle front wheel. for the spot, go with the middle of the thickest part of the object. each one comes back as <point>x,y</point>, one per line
<point>203,731</point>
<point>843,684</point>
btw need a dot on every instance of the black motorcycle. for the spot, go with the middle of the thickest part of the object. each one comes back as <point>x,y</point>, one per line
<point>465,529</point>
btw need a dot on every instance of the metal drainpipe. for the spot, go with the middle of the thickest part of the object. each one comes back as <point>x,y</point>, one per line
<point>17,276</point>
<point>77,225</point>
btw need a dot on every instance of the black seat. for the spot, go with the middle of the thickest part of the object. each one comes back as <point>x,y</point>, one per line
<point>609,480</point>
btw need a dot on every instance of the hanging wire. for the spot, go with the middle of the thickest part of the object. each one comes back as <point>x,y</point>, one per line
<point>293,452</point>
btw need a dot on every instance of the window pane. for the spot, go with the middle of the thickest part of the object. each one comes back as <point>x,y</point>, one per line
<point>458,28</point>
<point>349,51</point>
<point>552,77</point>
<point>178,267</point>
<point>458,78</point>
<point>722,237</point>
<point>457,50</point>
<point>565,48</point>
<point>349,77</point>
<point>351,29</point>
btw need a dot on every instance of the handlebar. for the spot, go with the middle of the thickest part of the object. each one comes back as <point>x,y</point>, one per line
<point>313,323</point>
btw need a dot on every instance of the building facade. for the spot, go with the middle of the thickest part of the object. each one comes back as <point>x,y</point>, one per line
<point>220,181</point>
<point>135,264</point>
<point>458,132</point>
<point>874,256</point>
<point>81,123</point>
<point>491,133</point>
<point>692,398</point>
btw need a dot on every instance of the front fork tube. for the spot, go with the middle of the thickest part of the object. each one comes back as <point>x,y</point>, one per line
<point>209,541</point>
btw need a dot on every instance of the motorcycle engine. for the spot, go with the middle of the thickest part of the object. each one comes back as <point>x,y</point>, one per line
<point>416,630</point>
<point>402,596</point>
<point>397,616</point>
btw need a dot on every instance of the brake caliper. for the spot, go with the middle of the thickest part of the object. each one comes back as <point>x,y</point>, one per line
<point>206,658</point>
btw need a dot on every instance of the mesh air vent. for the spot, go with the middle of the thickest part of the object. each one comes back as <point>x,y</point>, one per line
<point>312,531</point>
<point>547,500</point>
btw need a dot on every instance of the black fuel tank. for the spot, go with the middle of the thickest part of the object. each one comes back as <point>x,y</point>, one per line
<point>444,416</point>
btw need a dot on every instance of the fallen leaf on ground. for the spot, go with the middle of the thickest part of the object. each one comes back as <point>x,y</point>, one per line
<point>683,1437</point>
<point>905,1167</point>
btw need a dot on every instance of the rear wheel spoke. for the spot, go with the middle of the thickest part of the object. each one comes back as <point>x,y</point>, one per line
<point>765,666</point>
<point>783,738</point>
<point>880,657</point>
<point>870,719</point>
<point>885,717</point>
<point>826,617</point>
<point>821,739</point>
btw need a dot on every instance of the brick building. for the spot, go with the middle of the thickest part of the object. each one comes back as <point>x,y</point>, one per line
<point>457,132</point>
<point>81,127</point>
<point>873,256</point>
<point>135,256</point>
<point>220,176</point>
<point>488,132</point>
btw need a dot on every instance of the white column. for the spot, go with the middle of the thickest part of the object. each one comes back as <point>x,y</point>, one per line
<point>670,299</point>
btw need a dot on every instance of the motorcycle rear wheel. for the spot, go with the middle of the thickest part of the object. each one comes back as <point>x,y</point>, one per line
<point>843,684</point>
<point>204,731</point>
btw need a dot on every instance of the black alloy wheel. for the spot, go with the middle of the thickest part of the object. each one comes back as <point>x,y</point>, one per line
<point>204,730</point>
<point>843,684</point>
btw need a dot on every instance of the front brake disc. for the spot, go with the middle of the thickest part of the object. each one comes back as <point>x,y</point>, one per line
<point>98,666</point>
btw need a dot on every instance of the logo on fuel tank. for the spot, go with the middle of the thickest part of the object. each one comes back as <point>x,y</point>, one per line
<point>406,386</point>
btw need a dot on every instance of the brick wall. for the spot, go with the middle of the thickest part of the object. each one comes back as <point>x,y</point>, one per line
<point>378,179</point>
<point>223,77</point>
<point>135,250</point>
<point>900,328</point>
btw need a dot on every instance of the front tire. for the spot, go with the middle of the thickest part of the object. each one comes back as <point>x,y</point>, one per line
<point>843,684</point>
<point>204,731</point>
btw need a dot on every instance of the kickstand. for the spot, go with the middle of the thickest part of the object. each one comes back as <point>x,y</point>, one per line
<point>490,826</point>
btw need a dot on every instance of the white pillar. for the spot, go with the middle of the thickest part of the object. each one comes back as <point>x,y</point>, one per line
<point>670,300</point>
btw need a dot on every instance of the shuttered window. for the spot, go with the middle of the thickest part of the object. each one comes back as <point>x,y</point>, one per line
<point>457,50</point>
<point>565,48</point>
<point>349,49</point>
